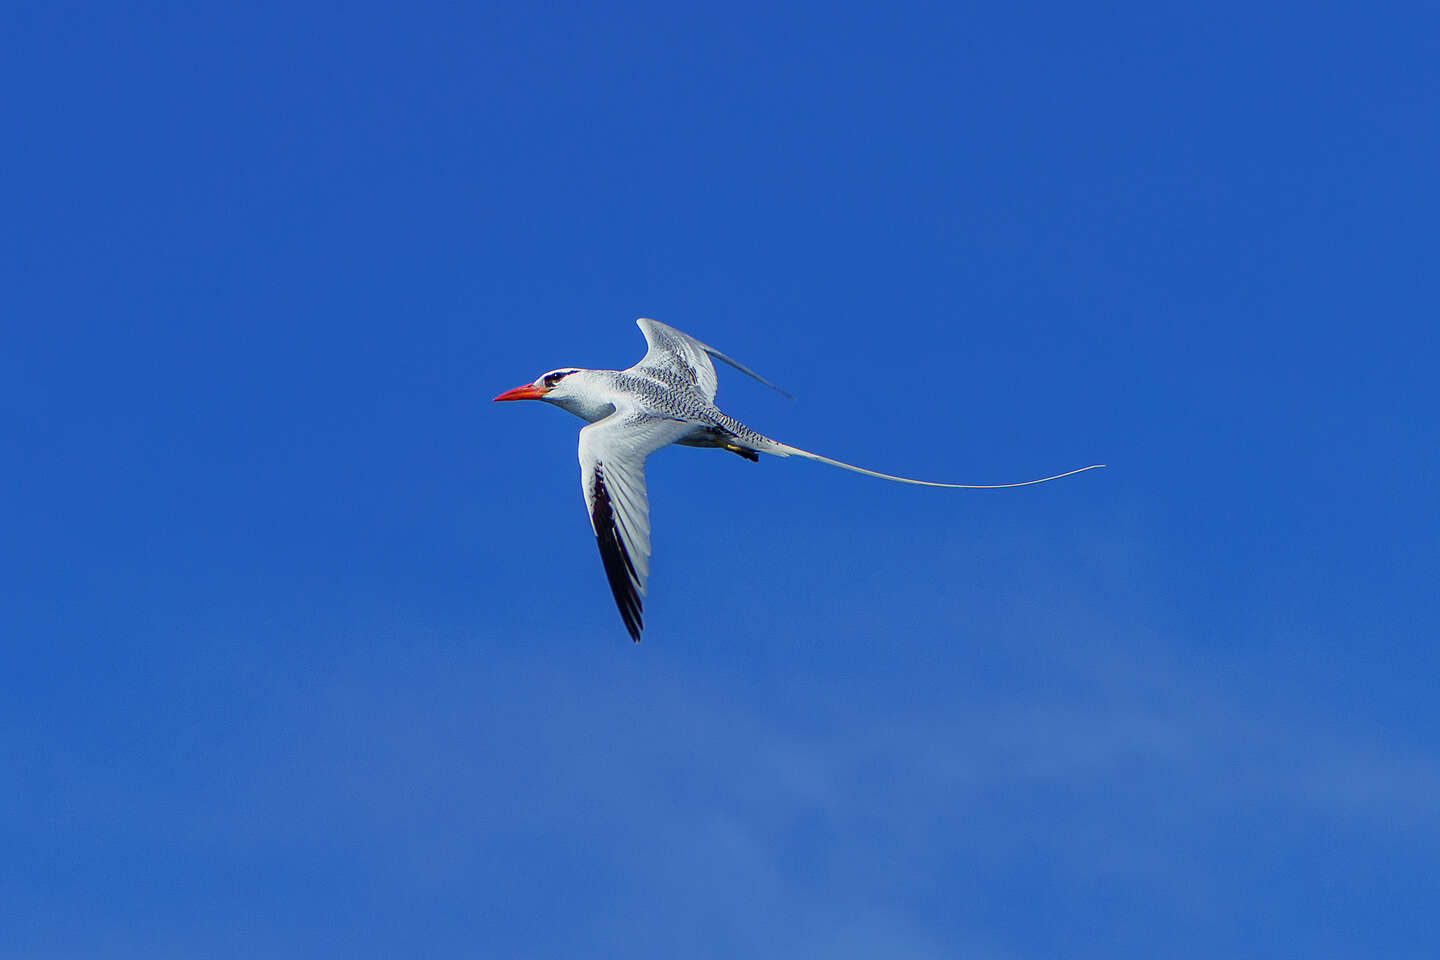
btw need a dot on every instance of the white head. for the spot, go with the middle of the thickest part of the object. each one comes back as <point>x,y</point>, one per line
<point>580,391</point>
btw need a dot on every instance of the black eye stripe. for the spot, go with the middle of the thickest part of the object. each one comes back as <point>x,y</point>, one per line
<point>553,378</point>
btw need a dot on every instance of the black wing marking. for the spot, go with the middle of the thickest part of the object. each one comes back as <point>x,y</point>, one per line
<point>619,569</point>
<point>612,477</point>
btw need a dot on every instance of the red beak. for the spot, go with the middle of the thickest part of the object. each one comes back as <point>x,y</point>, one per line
<point>526,391</point>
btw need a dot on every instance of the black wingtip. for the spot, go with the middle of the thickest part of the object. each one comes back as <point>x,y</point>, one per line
<point>619,569</point>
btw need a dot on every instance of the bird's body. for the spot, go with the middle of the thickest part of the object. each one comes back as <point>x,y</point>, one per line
<point>652,394</point>
<point>668,397</point>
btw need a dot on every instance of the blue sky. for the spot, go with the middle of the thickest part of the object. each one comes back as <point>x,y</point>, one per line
<point>308,648</point>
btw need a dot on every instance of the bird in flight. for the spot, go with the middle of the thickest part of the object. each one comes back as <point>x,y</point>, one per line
<point>668,397</point>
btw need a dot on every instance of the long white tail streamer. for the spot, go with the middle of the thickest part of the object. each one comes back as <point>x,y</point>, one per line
<point>787,450</point>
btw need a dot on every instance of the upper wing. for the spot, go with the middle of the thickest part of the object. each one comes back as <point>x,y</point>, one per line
<point>682,354</point>
<point>612,476</point>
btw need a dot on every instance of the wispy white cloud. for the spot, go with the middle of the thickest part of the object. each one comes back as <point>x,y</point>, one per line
<point>711,827</point>
<point>630,803</point>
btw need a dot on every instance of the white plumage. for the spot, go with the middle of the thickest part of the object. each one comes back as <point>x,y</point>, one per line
<point>668,397</point>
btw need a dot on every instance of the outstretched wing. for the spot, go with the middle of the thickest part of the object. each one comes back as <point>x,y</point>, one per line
<point>682,354</point>
<point>612,476</point>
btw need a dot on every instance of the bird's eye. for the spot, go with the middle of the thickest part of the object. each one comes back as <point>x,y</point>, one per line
<point>553,378</point>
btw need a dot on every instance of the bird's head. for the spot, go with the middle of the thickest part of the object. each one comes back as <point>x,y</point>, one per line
<point>548,386</point>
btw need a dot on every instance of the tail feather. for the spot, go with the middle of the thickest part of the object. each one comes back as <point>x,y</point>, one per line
<point>785,450</point>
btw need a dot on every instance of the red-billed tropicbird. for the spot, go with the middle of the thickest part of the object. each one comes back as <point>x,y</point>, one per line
<point>668,397</point>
